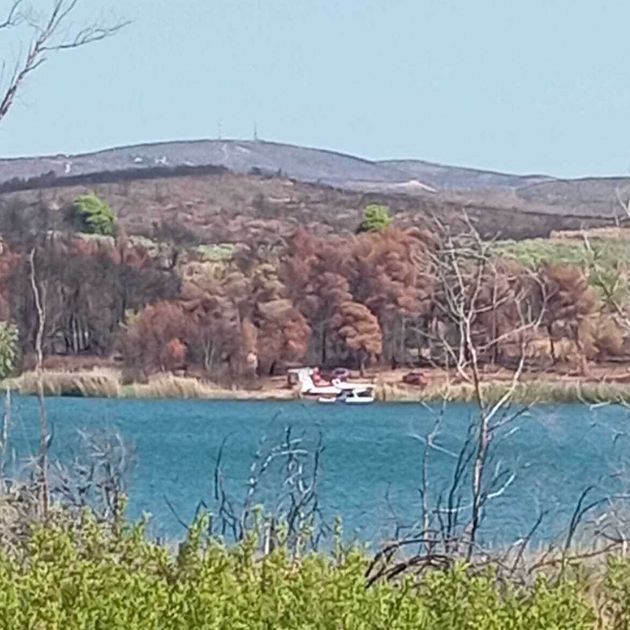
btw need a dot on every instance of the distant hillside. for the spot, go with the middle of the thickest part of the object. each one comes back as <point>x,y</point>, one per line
<point>454,177</point>
<point>300,163</point>
<point>423,184</point>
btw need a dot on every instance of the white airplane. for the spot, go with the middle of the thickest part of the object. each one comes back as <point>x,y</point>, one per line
<point>308,387</point>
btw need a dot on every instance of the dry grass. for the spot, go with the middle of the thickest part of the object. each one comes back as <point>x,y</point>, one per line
<point>106,383</point>
<point>613,232</point>
<point>169,386</point>
<point>526,393</point>
<point>102,383</point>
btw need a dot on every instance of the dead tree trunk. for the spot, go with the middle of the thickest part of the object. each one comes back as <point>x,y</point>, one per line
<point>44,437</point>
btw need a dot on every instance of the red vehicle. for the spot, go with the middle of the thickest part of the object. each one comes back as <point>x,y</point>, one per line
<point>414,378</point>
<point>340,374</point>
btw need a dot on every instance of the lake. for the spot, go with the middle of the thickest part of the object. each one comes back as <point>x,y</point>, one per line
<point>370,469</point>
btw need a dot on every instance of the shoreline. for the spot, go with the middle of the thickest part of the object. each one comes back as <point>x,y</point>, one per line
<point>106,383</point>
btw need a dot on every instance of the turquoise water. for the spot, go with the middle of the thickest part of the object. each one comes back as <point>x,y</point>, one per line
<point>371,463</point>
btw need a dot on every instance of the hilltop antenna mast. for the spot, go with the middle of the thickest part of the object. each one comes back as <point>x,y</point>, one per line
<point>258,63</point>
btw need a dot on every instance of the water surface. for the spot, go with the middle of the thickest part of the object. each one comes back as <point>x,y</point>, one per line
<point>371,464</point>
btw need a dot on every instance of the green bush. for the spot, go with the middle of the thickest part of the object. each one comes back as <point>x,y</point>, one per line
<point>89,577</point>
<point>93,215</point>
<point>8,348</point>
<point>219,252</point>
<point>375,218</point>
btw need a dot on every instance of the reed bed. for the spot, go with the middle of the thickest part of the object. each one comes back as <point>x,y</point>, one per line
<point>524,393</point>
<point>106,383</point>
<point>98,383</point>
<point>170,386</point>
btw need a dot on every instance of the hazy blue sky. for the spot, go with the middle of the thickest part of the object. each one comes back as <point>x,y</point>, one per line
<point>542,85</point>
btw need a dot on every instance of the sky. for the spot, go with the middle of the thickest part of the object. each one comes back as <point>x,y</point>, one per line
<point>541,86</point>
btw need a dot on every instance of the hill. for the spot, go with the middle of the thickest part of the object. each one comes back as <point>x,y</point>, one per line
<point>263,180</point>
<point>440,176</point>
<point>300,163</point>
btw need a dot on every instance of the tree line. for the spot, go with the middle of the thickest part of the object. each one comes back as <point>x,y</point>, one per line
<point>385,296</point>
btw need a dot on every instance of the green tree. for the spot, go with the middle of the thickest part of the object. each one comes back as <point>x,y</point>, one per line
<point>375,218</point>
<point>93,215</point>
<point>8,348</point>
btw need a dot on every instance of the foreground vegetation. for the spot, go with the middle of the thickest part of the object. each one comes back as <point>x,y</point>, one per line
<point>89,576</point>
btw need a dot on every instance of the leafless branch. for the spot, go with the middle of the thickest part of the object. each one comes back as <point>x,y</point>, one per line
<point>46,34</point>
<point>95,478</point>
<point>296,518</point>
<point>14,15</point>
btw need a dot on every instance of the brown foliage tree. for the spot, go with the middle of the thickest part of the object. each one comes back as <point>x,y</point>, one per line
<point>157,340</point>
<point>283,334</point>
<point>360,332</point>
<point>608,337</point>
<point>283,331</point>
<point>507,304</point>
<point>86,291</point>
<point>314,272</point>
<point>9,260</point>
<point>571,306</point>
<point>391,273</point>
<point>216,323</point>
<point>173,356</point>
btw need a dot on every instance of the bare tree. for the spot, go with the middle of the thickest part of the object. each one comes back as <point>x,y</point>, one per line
<point>95,478</point>
<point>293,465</point>
<point>473,291</point>
<point>625,206</point>
<point>4,438</point>
<point>451,517</point>
<point>44,433</point>
<point>42,33</point>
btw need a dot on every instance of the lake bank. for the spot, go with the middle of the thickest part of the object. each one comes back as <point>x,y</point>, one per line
<point>107,383</point>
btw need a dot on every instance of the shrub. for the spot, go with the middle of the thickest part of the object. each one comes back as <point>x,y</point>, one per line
<point>90,214</point>
<point>375,218</point>
<point>90,576</point>
<point>9,337</point>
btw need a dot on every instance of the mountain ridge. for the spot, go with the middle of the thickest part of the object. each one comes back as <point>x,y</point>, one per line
<point>591,197</point>
<point>392,169</point>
